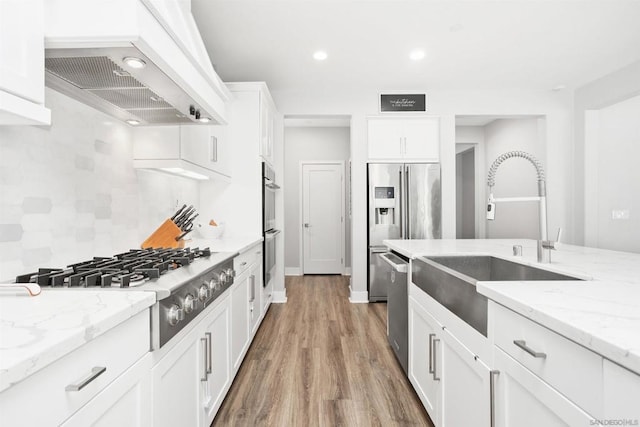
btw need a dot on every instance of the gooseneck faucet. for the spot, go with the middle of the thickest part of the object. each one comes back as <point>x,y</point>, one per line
<point>544,244</point>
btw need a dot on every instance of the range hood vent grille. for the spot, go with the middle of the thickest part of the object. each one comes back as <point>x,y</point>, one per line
<point>165,115</point>
<point>93,72</point>
<point>131,98</point>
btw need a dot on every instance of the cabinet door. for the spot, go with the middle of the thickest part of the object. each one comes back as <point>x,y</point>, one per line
<point>125,402</point>
<point>425,357</point>
<point>255,297</point>
<point>22,49</point>
<point>621,391</point>
<point>177,382</point>
<point>218,366</point>
<point>465,387</point>
<point>204,146</point>
<point>421,139</point>
<point>266,130</point>
<point>239,320</point>
<point>385,139</point>
<point>522,399</point>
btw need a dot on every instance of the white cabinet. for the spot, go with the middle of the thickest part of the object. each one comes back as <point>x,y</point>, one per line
<point>195,151</point>
<point>217,341</point>
<point>124,402</point>
<point>266,127</point>
<point>22,63</point>
<point>191,378</point>
<point>81,377</point>
<point>423,352</point>
<point>522,399</point>
<point>206,146</point>
<point>404,139</point>
<point>255,297</point>
<point>444,372</point>
<point>621,392</point>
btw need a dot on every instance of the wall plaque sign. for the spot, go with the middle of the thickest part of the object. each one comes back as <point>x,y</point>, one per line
<point>412,102</point>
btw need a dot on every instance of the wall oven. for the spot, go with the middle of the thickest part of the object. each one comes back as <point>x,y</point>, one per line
<point>269,232</point>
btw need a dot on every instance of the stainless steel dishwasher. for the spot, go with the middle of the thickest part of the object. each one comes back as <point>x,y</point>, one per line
<point>398,307</point>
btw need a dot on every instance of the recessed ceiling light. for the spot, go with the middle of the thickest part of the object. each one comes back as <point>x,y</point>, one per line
<point>320,55</point>
<point>416,55</point>
<point>133,122</point>
<point>133,62</point>
<point>204,119</point>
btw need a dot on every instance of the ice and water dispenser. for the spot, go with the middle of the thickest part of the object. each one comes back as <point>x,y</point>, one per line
<point>384,203</point>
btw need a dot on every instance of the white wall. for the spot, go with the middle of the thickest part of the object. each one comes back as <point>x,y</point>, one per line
<point>515,177</point>
<point>310,144</point>
<point>617,150</point>
<point>69,192</point>
<point>606,91</point>
<point>556,107</point>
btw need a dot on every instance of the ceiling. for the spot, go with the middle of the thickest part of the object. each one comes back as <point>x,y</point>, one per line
<point>473,44</point>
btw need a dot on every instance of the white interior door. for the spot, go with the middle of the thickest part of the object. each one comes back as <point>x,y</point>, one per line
<point>322,216</point>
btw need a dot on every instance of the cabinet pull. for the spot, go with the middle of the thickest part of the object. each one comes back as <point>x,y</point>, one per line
<point>205,373</point>
<point>523,345</point>
<point>435,359</point>
<point>492,396</point>
<point>431,352</point>
<point>209,365</point>
<point>252,280</point>
<point>214,149</point>
<point>242,264</point>
<point>95,373</point>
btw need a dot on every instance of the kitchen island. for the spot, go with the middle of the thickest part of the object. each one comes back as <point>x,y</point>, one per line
<point>562,380</point>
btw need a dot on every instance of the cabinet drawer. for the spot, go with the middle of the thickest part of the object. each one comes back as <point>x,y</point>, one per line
<point>246,258</point>
<point>568,367</point>
<point>46,390</point>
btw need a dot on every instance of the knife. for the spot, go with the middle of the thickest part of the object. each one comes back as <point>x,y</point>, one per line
<point>189,222</point>
<point>180,237</point>
<point>184,215</point>
<point>178,212</point>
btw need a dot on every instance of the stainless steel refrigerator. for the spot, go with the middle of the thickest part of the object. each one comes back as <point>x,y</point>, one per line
<point>404,203</point>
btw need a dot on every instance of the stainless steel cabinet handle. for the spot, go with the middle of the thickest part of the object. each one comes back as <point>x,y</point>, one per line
<point>408,220</point>
<point>492,396</point>
<point>214,149</point>
<point>431,336</point>
<point>252,280</point>
<point>95,373</point>
<point>307,225</point>
<point>205,373</point>
<point>209,365</point>
<point>435,359</point>
<point>523,345</point>
<point>242,264</point>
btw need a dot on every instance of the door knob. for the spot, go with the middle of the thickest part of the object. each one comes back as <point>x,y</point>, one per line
<point>307,225</point>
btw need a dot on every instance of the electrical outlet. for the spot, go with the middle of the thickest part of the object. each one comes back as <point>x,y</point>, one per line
<point>621,214</point>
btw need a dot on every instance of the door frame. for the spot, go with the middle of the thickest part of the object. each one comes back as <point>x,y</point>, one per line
<point>301,207</point>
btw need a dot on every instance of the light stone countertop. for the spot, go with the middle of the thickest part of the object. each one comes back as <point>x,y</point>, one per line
<point>36,331</point>
<point>602,314</point>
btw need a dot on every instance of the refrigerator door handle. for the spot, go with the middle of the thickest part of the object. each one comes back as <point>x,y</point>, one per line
<point>402,219</point>
<point>408,207</point>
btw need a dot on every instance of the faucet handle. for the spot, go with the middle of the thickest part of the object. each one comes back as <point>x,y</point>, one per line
<point>550,244</point>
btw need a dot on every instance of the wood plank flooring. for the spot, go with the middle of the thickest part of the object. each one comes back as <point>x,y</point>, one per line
<point>319,360</point>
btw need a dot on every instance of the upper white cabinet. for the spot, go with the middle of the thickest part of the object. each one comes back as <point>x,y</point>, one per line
<point>404,139</point>
<point>266,127</point>
<point>193,151</point>
<point>22,63</point>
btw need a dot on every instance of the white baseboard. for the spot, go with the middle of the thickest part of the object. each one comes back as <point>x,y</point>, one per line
<point>347,271</point>
<point>292,271</point>
<point>279,297</point>
<point>358,297</point>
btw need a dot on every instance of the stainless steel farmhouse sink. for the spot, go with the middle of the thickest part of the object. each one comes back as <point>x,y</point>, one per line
<point>451,280</point>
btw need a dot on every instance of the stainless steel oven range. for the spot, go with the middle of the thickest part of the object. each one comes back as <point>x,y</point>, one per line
<point>269,232</point>
<point>185,282</point>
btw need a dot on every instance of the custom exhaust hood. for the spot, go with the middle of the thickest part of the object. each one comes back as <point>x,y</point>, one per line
<point>140,61</point>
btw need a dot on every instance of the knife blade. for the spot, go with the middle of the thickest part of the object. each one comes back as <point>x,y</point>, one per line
<point>189,222</point>
<point>184,215</point>
<point>178,212</point>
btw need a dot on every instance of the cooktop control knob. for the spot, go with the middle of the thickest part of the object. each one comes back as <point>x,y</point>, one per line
<point>231,273</point>
<point>189,303</point>
<point>203,292</point>
<point>214,285</point>
<point>175,315</point>
<point>222,278</point>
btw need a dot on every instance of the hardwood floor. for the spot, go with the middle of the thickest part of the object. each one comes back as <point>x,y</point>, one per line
<point>319,360</point>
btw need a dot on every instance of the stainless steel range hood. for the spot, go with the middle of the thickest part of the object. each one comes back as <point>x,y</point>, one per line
<point>87,57</point>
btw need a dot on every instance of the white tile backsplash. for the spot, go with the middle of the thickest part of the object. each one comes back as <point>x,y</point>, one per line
<point>69,191</point>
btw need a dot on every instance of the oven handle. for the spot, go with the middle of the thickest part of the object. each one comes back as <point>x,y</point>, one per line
<point>272,186</point>
<point>271,233</point>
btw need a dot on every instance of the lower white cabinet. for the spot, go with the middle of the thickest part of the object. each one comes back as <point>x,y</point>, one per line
<point>621,393</point>
<point>452,382</point>
<point>125,403</point>
<point>522,399</point>
<point>191,379</point>
<point>255,297</point>
<point>101,367</point>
